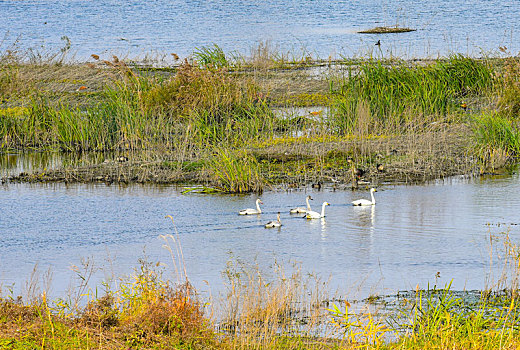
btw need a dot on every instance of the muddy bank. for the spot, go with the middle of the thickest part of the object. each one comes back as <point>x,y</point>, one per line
<point>342,163</point>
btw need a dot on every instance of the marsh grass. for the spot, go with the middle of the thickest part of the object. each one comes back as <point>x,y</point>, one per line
<point>211,57</point>
<point>396,97</point>
<point>508,86</point>
<point>235,172</point>
<point>265,55</point>
<point>141,112</point>
<point>273,309</point>
<point>497,139</point>
<point>440,318</point>
<point>10,82</point>
<point>504,254</point>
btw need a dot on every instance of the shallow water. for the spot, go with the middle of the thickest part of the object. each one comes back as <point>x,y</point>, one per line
<point>317,27</point>
<point>413,233</point>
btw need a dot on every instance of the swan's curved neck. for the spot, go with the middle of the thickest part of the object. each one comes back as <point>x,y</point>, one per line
<point>323,210</point>
<point>278,218</point>
<point>308,205</point>
<point>258,206</point>
<point>373,198</point>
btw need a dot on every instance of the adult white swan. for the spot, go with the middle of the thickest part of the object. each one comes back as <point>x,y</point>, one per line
<point>315,215</point>
<point>276,223</point>
<point>250,211</point>
<point>300,210</point>
<point>360,202</point>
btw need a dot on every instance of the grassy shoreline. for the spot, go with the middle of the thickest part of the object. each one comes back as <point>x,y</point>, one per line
<point>240,125</point>
<point>405,159</point>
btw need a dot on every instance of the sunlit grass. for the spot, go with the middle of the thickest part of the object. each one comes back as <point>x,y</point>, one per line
<point>235,172</point>
<point>497,139</point>
<point>399,97</point>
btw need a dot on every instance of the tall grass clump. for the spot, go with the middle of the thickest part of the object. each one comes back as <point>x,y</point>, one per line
<point>266,55</point>
<point>151,308</point>
<point>235,171</point>
<point>10,81</point>
<point>218,106</point>
<point>211,57</point>
<point>396,96</point>
<point>440,319</point>
<point>278,311</point>
<point>145,111</point>
<point>505,253</point>
<point>496,139</point>
<point>509,88</point>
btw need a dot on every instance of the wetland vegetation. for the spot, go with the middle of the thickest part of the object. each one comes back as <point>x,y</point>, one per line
<point>238,125</point>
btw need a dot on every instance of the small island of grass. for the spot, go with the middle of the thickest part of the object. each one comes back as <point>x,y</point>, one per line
<point>385,30</point>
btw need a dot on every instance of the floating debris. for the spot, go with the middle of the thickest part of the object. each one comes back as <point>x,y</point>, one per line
<point>201,189</point>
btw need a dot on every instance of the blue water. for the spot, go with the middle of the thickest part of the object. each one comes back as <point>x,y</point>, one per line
<point>321,28</point>
<point>415,235</point>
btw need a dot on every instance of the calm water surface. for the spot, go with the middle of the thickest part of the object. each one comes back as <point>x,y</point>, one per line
<point>319,27</point>
<point>412,233</point>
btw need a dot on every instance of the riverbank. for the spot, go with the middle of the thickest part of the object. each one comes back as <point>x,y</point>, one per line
<point>240,126</point>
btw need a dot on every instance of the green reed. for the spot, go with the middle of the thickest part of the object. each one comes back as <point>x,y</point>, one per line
<point>496,139</point>
<point>211,57</point>
<point>235,171</point>
<point>142,111</point>
<point>440,319</point>
<point>389,97</point>
<point>508,86</point>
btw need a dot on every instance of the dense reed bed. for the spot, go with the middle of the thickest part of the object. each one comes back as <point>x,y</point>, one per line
<point>287,118</point>
<point>393,98</point>
<point>142,112</point>
<point>157,308</point>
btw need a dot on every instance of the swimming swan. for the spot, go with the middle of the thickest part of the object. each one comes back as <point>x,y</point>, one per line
<point>316,215</point>
<point>250,211</point>
<point>366,201</point>
<point>276,223</point>
<point>300,210</point>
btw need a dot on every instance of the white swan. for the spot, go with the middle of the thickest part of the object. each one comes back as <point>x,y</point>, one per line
<point>315,215</point>
<point>276,223</point>
<point>250,211</point>
<point>366,201</point>
<point>300,210</point>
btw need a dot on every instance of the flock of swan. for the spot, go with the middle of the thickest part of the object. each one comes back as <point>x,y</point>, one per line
<point>309,213</point>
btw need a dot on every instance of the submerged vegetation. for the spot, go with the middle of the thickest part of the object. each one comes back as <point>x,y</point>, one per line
<point>151,309</point>
<point>269,119</point>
